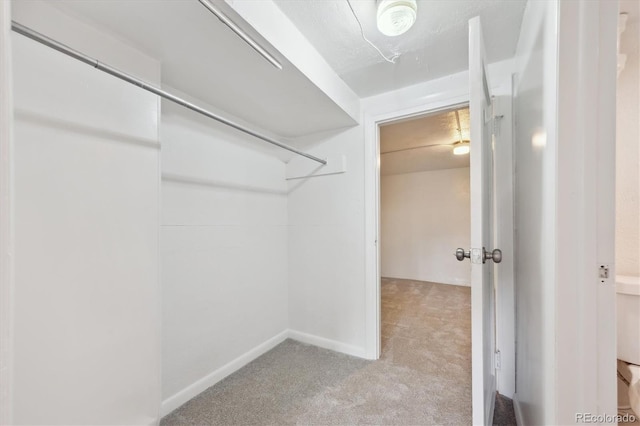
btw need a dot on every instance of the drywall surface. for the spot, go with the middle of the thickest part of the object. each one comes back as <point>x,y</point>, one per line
<point>87,299</point>
<point>585,321</point>
<point>6,216</point>
<point>326,244</point>
<point>424,217</point>
<point>223,248</point>
<point>535,145</point>
<point>564,211</point>
<point>628,151</point>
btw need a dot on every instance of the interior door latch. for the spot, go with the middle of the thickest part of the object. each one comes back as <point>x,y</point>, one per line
<point>604,273</point>
<point>479,257</point>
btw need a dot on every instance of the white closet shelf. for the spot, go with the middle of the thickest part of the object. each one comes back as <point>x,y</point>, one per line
<point>202,57</point>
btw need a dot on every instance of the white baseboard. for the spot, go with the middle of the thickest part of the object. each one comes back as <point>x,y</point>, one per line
<point>333,345</point>
<point>175,401</point>
<point>191,391</point>
<point>518,411</point>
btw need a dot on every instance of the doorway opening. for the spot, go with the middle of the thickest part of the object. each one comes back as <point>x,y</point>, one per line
<point>424,215</point>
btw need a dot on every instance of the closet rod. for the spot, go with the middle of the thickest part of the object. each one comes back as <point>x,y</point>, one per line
<point>41,38</point>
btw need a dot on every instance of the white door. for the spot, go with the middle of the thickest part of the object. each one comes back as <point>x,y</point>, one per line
<point>482,277</point>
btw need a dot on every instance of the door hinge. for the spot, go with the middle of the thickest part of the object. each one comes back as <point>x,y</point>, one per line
<point>496,124</point>
<point>498,360</point>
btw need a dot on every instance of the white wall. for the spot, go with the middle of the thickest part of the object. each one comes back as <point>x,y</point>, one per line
<point>424,217</point>
<point>535,142</point>
<point>564,115</point>
<point>628,152</point>
<point>6,215</point>
<point>326,244</point>
<point>87,337</point>
<point>585,319</point>
<point>224,252</point>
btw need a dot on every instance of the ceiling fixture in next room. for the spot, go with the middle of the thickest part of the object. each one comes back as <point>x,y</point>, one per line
<point>395,17</point>
<point>462,146</point>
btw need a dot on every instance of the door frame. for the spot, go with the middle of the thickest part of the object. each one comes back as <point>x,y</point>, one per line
<point>6,216</point>
<point>374,117</point>
<point>387,119</point>
<point>442,94</point>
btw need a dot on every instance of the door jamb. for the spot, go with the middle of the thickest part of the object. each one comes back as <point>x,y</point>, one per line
<point>6,217</point>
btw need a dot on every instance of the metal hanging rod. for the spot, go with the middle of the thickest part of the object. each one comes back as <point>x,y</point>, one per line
<point>240,33</point>
<point>49,42</point>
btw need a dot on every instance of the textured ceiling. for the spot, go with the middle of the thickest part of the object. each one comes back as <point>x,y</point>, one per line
<point>435,46</point>
<point>423,144</point>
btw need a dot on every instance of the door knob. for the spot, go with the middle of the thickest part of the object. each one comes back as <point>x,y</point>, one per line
<point>495,255</point>
<point>461,254</point>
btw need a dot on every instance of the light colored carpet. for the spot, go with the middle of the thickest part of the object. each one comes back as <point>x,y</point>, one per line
<point>422,378</point>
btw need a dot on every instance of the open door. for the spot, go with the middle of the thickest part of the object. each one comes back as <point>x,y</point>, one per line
<point>482,253</point>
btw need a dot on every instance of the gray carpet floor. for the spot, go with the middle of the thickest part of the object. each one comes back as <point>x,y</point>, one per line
<point>422,378</point>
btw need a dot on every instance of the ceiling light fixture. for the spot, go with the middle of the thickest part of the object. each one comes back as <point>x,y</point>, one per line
<point>461,147</point>
<point>395,17</point>
<point>391,59</point>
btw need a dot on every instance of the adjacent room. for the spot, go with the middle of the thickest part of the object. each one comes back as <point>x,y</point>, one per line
<point>424,217</point>
<point>425,197</point>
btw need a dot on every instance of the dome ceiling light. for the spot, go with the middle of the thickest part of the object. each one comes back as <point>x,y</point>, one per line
<point>395,17</point>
